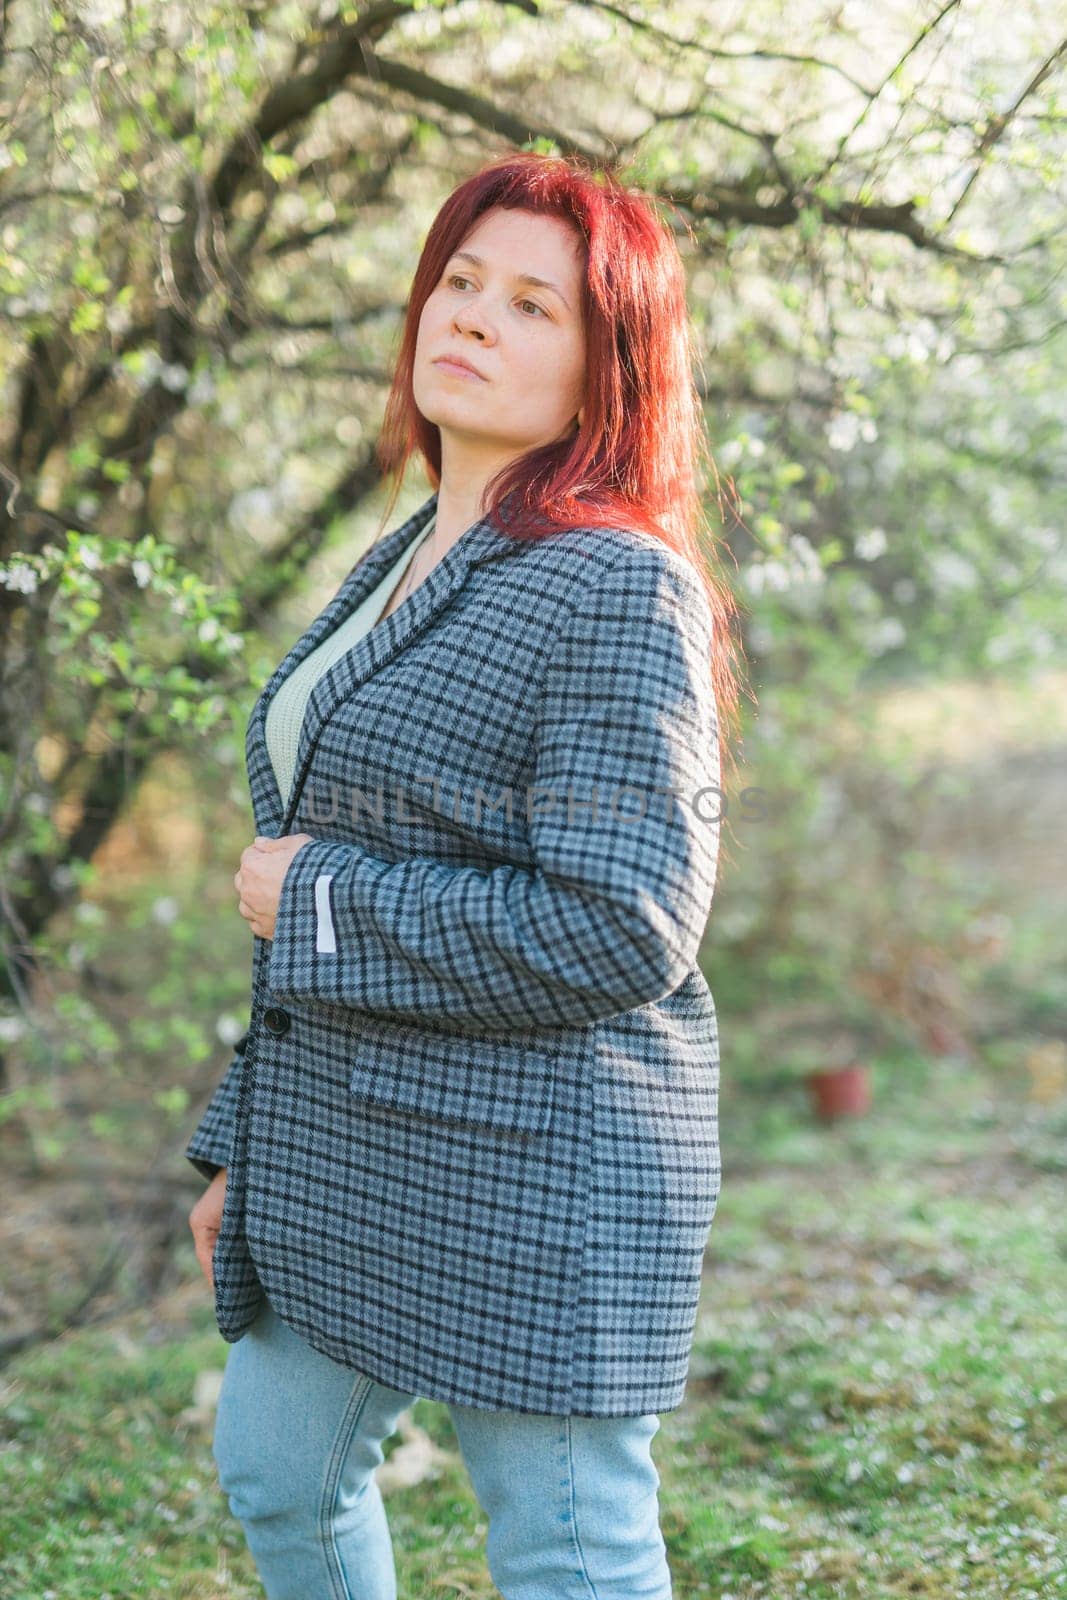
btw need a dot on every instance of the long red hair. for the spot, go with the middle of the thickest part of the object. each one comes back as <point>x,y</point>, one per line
<point>635,459</point>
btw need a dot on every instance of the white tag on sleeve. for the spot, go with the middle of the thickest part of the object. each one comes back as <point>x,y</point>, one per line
<point>325,936</point>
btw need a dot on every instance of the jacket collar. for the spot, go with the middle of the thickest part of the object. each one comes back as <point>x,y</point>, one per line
<point>480,543</point>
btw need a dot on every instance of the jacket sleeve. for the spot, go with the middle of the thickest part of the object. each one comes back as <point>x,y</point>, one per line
<point>209,1147</point>
<point>624,834</point>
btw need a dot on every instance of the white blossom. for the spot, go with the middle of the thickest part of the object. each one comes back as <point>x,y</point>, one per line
<point>174,377</point>
<point>845,429</point>
<point>202,388</point>
<point>147,370</point>
<point>952,570</point>
<point>253,511</point>
<point>20,577</point>
<point>99,13</point>
<point>118,319</point>
<point>806,557</point>
<point>1045,538</point>
<point>229,1028</point>
<point>886,634</point>
<point>872,544</point>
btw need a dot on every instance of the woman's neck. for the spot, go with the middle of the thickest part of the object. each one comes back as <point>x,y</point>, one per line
<point>464,475</point>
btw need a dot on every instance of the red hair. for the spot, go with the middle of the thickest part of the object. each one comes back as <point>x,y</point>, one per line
<point>634,461</point>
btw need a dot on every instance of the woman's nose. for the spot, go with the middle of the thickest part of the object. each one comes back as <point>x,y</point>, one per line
<point>478,321</point>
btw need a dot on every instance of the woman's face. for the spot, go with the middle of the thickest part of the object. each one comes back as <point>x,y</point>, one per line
<point>526,340</point>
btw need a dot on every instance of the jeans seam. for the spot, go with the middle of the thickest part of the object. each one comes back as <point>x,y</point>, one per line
<point>331,1480</point>
<point>574,1510</point>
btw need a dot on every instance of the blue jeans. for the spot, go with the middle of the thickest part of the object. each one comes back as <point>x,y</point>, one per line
<point>571,1502</point>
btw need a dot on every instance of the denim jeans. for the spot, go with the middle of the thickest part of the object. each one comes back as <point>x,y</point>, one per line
<point>571,1502</point>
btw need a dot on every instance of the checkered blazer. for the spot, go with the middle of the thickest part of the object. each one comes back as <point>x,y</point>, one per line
<point>472,1131</point>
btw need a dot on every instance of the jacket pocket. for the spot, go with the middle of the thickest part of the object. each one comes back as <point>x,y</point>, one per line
<point>490,1083</point>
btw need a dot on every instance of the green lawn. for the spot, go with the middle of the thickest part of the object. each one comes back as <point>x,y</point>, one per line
<point>877,1402</point>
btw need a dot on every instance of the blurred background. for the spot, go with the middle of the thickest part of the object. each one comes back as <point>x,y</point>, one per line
<point>209,217</point>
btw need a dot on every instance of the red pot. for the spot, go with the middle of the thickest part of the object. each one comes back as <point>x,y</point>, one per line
<point>841,1091</point>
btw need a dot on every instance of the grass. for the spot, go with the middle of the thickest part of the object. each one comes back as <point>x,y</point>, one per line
<point>876,1407</point>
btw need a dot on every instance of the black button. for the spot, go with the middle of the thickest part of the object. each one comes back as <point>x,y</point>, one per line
<point>276,1020</point>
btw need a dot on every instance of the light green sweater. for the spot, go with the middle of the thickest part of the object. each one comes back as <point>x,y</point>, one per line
<point>285,713</point>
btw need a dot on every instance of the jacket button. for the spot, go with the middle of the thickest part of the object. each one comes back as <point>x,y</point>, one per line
<point>276,1020</point>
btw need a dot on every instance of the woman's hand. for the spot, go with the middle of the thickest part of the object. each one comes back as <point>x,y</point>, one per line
<point>205,1219</point>
<point>259,878</point>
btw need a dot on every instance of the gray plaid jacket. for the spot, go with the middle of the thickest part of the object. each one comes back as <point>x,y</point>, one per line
<point>472,1131</point>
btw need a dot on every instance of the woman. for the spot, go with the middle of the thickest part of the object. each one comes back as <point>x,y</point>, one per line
<point>468,1148</point>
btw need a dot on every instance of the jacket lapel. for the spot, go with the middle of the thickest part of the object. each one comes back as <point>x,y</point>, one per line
<point>481,542</point>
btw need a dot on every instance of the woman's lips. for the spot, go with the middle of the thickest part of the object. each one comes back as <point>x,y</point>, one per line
<point>457,371</point>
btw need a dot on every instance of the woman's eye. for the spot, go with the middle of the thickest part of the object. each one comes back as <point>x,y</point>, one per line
<point>457,277</point>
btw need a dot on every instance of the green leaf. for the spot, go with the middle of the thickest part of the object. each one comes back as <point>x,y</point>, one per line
<point>278,165</point>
